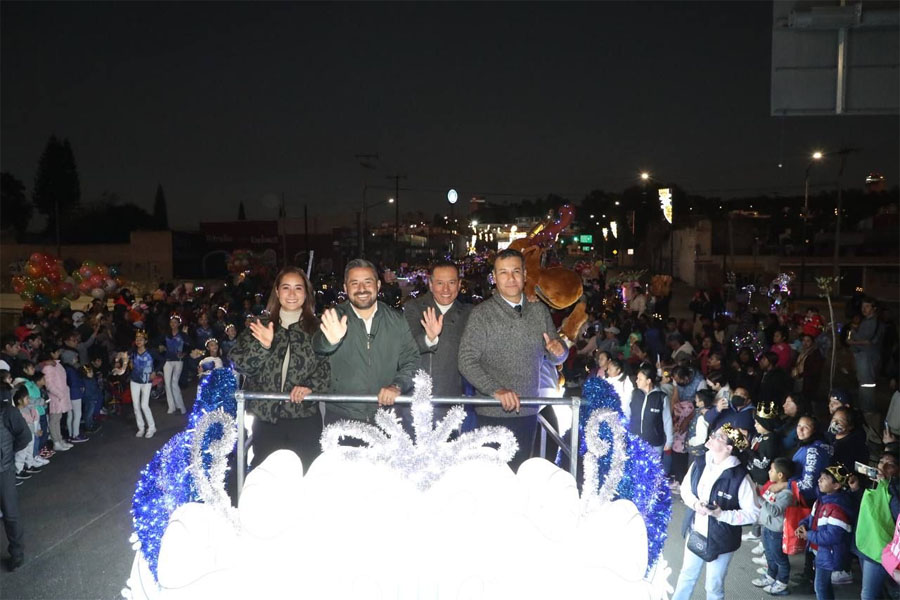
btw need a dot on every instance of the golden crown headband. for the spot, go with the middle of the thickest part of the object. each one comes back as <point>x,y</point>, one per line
<point>211,341</point>
<point>766,410</point>
<point>738,440</point>
<point>142,333</point>
<point>839,472</point>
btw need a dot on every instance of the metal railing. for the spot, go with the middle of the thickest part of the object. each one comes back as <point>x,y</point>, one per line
<point>570,449</point>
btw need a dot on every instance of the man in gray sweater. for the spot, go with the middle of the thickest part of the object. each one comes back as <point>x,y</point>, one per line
<point>502,348</point>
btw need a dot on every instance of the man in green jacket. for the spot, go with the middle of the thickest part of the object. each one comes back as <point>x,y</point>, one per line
<point>369,346</point>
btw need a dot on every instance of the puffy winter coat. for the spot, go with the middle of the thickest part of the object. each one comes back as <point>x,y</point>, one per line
<point>55,379</point>
<point>828,529</point>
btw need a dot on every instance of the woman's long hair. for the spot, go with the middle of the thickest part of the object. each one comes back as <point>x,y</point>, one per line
<point>308,321</point>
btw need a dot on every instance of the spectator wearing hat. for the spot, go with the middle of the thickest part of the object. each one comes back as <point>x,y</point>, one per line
<point>828,528</point>
<point>766,444</point>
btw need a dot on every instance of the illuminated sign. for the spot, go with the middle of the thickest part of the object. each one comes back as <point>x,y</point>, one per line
<point>665,202</point>
<point>586,238</point>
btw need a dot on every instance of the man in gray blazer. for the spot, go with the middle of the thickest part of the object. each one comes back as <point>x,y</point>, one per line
<point>505,341</point>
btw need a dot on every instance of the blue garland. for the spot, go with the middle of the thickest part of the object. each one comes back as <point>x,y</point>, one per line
<point>644,480</point>
<point>165,483</point>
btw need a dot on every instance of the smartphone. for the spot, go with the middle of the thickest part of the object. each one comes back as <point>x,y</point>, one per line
<point>710,506</point>
<point>864,469</point>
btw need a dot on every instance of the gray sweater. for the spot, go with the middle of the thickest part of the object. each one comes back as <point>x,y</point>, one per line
<point>773,506</point>
<point>501,348</point>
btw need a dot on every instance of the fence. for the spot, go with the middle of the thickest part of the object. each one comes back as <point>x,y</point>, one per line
<point>570,449</point>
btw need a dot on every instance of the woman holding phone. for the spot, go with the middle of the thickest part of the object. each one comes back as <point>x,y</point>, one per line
<point>276,355</point>
<point>721,498</point>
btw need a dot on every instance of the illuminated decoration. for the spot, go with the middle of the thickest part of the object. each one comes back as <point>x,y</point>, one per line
<point>452,196</point>
<point>780,291</point>
<point>748,340</point>
<point>605,233</point>
<point>665,202</point>
<point>168,481</point>
<point>630,252</point>
<point>203,556</point>
<point>424,457</point>
<point>614,228</point>
<point>641,478</point>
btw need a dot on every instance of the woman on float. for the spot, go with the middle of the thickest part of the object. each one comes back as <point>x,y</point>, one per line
<point>276,355</point>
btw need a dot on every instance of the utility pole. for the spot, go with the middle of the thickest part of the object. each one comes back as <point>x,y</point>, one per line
<point>396,179</point>
<point>843,152</point>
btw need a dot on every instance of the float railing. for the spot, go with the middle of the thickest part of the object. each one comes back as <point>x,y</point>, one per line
<point>571,449</point>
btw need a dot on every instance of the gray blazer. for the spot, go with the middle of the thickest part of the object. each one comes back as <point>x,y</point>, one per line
<point>440,361</point>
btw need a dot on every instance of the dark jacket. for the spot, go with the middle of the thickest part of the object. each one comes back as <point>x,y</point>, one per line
<point>362,364</point>
<point>850,449</point>
<point>647,417</point>
<point>440,361</point>
<point>14,435</point>
<point>741,418</point>
<point>263,367</point>
<point>75,382</point>
<point>764,449</point>
<point>774,385</point>
<point>829,527</point>
<point>809,462</point>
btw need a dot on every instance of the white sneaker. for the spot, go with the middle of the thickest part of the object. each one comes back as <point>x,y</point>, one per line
<point>841,577</point>
<point>41,461</point>
<point>760,560</point>
<point>763,570</point>
<point>763,581</point>
<point>749,536</point>
<point>758,549</point>
<point>150,433</point>
<point>140,433</point>
<point>61,447</point>
<point>171,411</point>
<point>777,589</point>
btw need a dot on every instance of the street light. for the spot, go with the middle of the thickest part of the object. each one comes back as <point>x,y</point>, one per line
<point>815,157</point>
<point>645,176</point>
<point>365,223</point>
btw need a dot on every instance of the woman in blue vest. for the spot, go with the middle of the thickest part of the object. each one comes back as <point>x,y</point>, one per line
<point>720,498</point>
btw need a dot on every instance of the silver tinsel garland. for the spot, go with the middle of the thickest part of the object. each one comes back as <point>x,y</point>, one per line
<point>210,483</point>
<point>593,495</point>
<point>426,458</point>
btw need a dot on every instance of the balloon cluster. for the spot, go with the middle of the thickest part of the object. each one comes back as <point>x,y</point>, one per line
<point>780,291</point>
<point>96,279</point>
<point>44,282</point>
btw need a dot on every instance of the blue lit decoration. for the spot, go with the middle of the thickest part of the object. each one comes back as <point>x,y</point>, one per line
<point>165,483</point>
<point>643,481</point>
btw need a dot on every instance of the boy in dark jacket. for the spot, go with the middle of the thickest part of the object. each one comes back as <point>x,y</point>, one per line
<point>766,445</point>
<point>828,527</point>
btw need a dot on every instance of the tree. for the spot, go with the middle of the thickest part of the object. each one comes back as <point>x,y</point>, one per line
<point>57,190</point>
<point>15,209</point>
<point>242,214</point>
<point>160,212</point>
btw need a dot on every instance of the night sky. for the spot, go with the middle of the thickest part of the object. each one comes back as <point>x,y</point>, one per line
<point>223,102</point>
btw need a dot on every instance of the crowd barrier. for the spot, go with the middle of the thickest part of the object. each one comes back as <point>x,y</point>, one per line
<point>570,449</point>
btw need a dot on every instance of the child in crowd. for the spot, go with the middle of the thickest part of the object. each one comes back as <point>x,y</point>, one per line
<point>828,528</point>
<point>25,461</point>
<point>771,517</point>
<point>72,365</point>
<point>93,397</point>
<point>766,445</point>
<point>40,382</point>
<point>698,432</point>
<point>58,389</point>
<point>229,341</point>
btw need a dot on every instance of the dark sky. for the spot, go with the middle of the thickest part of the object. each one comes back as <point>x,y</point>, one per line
<point>223,102</point>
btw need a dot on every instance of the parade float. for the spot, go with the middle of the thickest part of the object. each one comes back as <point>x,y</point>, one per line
<point>423,516</point>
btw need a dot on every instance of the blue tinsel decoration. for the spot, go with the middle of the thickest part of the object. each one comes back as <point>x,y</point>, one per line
<point>644,480</point>
<point>166,483</point>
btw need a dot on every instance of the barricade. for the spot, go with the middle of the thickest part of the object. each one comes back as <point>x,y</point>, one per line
<point>570,449</point>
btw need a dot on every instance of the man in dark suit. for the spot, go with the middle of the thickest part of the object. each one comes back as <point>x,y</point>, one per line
<point>437,320</point>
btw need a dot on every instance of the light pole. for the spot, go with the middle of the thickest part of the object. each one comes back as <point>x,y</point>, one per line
<point>816,156</point>
<point>365,220</point>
